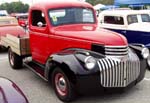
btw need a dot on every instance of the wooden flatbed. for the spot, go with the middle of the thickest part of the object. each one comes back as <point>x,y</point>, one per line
<point>19,45</point>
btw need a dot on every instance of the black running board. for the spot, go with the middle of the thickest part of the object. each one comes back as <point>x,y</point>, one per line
<point>35,69</point>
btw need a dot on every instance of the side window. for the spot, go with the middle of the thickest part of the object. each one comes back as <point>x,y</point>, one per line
<point>132,19</point>
<point>38,18</point>
<point>113,20</point>
<point>145,18</point>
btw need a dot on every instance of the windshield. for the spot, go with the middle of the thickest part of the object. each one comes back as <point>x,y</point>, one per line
<point>71,16</point>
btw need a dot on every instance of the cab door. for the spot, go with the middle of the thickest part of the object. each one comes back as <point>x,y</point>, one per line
<point>38,36</point>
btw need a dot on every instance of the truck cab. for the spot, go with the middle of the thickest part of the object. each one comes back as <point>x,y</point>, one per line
<point>66,25</point>
<point>69,49</point>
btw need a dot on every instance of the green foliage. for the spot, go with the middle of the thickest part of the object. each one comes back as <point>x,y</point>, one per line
<point>94,2</point>
<point>19,7</point>
<point>15,7</point>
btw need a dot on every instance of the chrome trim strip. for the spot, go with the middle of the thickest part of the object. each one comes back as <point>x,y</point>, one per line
<point>116,46</point>
<point>113,53</point>
<point>117,49</point>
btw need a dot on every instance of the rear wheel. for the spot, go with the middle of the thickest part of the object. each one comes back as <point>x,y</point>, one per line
<point>63,88</point>
<point>14,59</point>
<point>2,48</point>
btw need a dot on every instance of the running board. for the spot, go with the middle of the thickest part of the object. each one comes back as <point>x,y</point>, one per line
<point>35,69</point>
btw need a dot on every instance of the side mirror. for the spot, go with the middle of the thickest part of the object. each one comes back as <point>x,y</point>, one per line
<point>40,24</point>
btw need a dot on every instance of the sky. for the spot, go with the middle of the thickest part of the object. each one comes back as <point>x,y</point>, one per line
<point>26,1</point>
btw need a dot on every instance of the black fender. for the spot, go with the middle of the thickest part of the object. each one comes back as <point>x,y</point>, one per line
<point>137,48</point>
<point>71,62</point>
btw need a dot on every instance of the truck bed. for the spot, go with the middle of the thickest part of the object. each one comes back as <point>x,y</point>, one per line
<point>19,45</point>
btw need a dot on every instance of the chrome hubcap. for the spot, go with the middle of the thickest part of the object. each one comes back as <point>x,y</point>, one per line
<point>11,58</point>
<point>60,83</point>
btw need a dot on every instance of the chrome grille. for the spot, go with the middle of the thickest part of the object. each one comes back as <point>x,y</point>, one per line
<point>116,50</point>
<point>120,72</point>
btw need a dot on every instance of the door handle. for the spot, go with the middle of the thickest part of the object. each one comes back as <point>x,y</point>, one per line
<point>124,31</point>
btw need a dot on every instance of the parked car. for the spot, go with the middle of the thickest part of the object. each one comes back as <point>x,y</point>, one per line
<point>3,13</point>
<point>10,92</point>
<point>9,25</point>
<point>22,18</point>
<point>133,24</point>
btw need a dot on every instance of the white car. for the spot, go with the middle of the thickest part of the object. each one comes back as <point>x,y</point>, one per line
<point>133,24</point>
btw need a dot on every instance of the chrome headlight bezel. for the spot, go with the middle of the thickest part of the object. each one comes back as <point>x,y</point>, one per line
<point>90,62</point>
<point>145,53</point>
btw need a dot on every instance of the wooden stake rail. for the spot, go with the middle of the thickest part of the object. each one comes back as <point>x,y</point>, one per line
<point>20,46</point>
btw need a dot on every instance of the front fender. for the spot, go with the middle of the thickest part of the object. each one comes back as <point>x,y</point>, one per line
<point>70,62</point>
<point>137,48</point>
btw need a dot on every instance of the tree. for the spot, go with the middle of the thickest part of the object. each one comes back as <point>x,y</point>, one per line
<point>15,7</point>
<point>94,2</point>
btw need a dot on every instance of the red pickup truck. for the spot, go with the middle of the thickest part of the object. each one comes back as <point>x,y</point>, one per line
<point>69,50</point>
<point>22,18</point>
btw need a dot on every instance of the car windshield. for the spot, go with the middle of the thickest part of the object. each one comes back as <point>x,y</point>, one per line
<point>71,16</point>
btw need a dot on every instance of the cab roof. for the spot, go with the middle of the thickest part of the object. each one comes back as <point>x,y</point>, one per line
<point>60,4</point>
<point>123,12</point>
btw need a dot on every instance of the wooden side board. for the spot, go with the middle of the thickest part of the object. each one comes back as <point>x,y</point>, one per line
<point>20,46</point>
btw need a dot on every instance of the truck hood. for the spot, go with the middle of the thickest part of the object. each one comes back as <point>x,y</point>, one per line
<point>14,30</point>
<point>140,27</point>
<point>91,34</point>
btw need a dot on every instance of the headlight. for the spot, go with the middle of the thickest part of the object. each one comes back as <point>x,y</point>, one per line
<point>90,62</point>
<point>145,53</point>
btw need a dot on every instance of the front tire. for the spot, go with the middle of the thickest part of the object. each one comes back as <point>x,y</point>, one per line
<point>62,86</point>
<point>15,60</point>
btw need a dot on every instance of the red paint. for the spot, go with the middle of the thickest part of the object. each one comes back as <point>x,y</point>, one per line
<point>22,22</point>
<point>45,41</point>
<point>13,30</point>
<point>9,25</point>
<point>21,17</point>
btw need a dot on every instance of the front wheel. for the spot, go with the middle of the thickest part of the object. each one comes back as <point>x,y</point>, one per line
<point>63,88</point>
<point>15,60</point>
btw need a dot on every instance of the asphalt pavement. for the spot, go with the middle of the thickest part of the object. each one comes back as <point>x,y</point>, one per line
<point>39,91</point>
